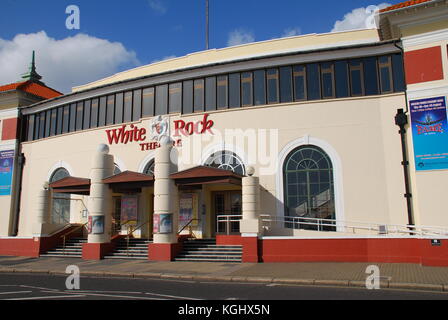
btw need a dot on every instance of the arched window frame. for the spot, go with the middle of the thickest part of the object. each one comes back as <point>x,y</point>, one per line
<point>66,197</point>
<point>227,164</point>
<point>337,175</point>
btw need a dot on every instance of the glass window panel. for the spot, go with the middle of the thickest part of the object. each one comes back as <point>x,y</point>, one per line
<point>41,125</point>
<point>47,123</point>
<point>94,114</point>
<point>272,81</point>
<point>398,73</point>
<point>36,127</point>
<point>87,107</point>
<point>371,76</point>
<point>246,89</point>
<point>223,92</point>
<point>148,102</point>
<point>127,113</point>
<point>313,81</point>
<point>299,83</point>
<point>66,119</point>
<point>175,97</point>
<point>72,125</point>
<point>79,115</point>
<point>187,99</point>
<point>102,112</point>
<point>30,127</point>
<point>210,93</point>
<point>259,87</point>
<point>356,78</point>
<point>118,108</point>
<point>161,100</point>
<point>327,76</point>
<point>54,114</point>
<point>137,105</point>
<point>234,90</point>
<point>385,67</point>
<point>198,95</point>
<point>341,76</point>
<point>59,120</point>
<point>110,112</point>
<point>286,84</point>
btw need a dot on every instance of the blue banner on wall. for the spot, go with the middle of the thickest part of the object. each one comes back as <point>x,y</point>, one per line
<point>429,132</point>
<point>6,170</point>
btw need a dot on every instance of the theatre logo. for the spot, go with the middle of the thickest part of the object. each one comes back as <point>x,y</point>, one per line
<point>159,128</point>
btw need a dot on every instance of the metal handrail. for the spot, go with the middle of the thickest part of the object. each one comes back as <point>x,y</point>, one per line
<point>64,236</point>
<point>189,227</point>
<point>131,231</point>
<point>390,228</point>
<point>227,219</point>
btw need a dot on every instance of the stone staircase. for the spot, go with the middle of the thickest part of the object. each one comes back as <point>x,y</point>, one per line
<point>73,249</point>
<point>138,249</point>
<point>208,251</point>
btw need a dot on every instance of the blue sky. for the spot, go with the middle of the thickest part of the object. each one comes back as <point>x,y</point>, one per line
<point>118,35</point>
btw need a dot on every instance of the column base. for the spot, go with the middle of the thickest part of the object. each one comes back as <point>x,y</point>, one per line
<point>250,249</point>
<point>163,251</point>
<point>96,251</point>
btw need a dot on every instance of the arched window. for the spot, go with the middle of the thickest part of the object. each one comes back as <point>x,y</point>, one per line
<point>309,186</point>
<point>149,168</point>
<point>60,213</point>
<point>226,160</point>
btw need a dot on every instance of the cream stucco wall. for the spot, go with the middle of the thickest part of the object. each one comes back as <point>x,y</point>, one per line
<point>360,132</point>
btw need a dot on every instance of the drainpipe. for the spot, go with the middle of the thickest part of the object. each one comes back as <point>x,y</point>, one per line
<point>401,120</point>
<point>20,162</point>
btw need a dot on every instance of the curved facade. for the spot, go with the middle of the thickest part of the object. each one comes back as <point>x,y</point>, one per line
<point>285,138</point>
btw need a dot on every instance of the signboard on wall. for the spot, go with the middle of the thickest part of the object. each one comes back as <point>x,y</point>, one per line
<point>188,209</point>
<point>6,171</point>
<point>429,133</point>
<point>129,209</point>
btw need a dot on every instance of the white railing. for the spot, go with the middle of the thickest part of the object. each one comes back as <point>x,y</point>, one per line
<point>228,224</point>
<point>353,227</point>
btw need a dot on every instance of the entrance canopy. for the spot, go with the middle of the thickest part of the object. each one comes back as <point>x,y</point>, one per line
<point>197,176</point>
<point>71,185</point>
<point>129,182</point>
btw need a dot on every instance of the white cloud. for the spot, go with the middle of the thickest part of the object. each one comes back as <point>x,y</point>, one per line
<point>291,32</point>
<point>240,36</point>
<point>360,18</point>
<point>64,63</point>
<point>158,6</point>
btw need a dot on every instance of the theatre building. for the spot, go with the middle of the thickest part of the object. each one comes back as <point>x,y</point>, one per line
<point>309,148</point>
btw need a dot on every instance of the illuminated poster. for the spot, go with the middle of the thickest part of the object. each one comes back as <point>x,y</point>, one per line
<point>163,223</point>
<point>129,209</point>
<point>429,133</point>
<point>6,170</point>
<point>96,225</point>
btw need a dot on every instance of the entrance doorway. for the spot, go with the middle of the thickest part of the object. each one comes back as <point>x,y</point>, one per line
<point>227,206</point>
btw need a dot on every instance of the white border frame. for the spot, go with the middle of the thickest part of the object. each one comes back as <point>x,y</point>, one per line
<point>337,174</point>
<point>149,157</point>
<point>60,164</point>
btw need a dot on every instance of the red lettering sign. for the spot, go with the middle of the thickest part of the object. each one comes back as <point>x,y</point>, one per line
<point>189,128</point>
<point>122,135</point>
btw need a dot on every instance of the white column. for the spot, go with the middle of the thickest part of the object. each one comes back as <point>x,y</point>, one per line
<point>100,199</point>
<point>250,223</point>
<point>165,195</point>
<point>42,211</point>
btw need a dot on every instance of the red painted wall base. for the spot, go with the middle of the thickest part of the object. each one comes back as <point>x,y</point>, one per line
<point>96,251</point>
<point>228,240</point>
<point>250,249</point>
<point>163,251</point>
<point>390,250</point>
<point>20,247</point>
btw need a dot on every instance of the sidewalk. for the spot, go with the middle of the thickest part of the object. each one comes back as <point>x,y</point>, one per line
<point>396,276</point>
